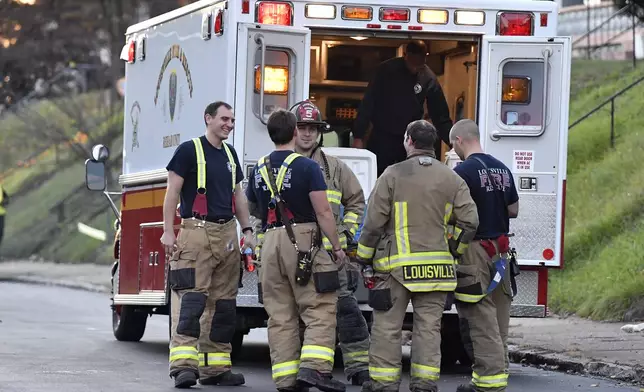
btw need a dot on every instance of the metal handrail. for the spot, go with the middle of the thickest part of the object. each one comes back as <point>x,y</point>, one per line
<point>610,100</point>
<point>616,14</point>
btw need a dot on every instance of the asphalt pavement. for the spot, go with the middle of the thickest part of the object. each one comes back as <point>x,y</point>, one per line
<point>59,339</point>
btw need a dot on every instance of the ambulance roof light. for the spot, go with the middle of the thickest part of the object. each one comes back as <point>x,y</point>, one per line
<point>514,23</point>
<point>320,11</point>
<point>394,14</point>
<point>274,12</point>
<point>131,52</point>
<point>470,18</point>
<point>427,16</point>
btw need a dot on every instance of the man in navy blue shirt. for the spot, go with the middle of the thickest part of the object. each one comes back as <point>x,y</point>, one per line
<point>289,193</point>
<point>483,303</point>
<point>205,264</point>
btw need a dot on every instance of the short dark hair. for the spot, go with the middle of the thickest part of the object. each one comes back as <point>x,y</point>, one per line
<point>423,134</point>
<point>212,108</point>
<point>416,47</point>
<point>281,126</point>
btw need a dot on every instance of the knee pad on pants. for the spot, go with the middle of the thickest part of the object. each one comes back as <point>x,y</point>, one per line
<point>224,320</point>
<point>351,325</point>
<point>192,307</point>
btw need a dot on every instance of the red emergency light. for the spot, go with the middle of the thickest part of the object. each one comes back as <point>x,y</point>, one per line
<point>131,52</point>
<point>219,22</point>
<point>394,14</point>
<point>514,23</point>
<point>274,13</point>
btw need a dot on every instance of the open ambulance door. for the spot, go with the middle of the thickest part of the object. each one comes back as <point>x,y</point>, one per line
<point>523,118</point>
<point>272,72</point>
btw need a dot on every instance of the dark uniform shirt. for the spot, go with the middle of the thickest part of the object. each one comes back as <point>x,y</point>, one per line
<point>303,176</point>
<point>219,192</point>
<point>391,103</point>
<point>491,200</point>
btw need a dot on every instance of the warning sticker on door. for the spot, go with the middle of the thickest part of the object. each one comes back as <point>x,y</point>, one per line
<point>523,161</point>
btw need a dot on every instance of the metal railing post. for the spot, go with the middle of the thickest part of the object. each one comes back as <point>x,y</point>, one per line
<point>612,123</point>
<point>633,11</point>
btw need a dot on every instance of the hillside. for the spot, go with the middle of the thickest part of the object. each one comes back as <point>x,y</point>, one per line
<point>604,271</point>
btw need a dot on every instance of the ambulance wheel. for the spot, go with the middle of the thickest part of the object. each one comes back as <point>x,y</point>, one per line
<point>128,323</point>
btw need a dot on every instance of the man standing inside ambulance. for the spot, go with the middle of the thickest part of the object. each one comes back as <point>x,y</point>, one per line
<point>484,293</point>
<point>395,97</point>
<point>205,259</point>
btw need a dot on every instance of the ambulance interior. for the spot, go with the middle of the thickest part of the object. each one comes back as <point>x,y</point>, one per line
<point>342,64</point>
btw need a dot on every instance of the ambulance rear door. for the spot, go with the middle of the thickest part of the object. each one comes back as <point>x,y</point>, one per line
<point>272,72</point>
<point>523,117</point>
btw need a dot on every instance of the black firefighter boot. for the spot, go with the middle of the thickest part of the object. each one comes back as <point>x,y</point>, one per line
<point>184,379</point>
<point>226,378</point>
<point>360,378</point>
<point>322,381</point>
<point>465,388</point>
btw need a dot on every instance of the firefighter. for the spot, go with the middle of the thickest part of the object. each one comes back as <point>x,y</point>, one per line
<point>205,263</point>
<point>4,202</point>
<point>404,240</point>
<point>395,97</point>
<point>298,279</point>
<point>343,190</point>
<point>483,303</point>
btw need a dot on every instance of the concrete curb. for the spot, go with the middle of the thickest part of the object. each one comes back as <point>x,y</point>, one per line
<point>559,362</point>
<point>58,283</point>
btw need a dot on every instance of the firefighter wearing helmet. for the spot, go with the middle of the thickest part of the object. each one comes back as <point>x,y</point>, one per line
<point>344,193</point>
<point>299,280</point>
<point>404,240</point>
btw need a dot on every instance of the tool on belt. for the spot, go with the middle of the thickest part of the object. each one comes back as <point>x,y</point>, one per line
<point>304,258</point>
<point>368,278</point>
<point>504,247</point>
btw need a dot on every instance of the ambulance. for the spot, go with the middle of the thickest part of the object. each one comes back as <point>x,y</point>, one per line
<point>499,63</point>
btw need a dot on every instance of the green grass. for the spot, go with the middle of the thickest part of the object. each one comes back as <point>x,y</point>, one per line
<point>604,243</point>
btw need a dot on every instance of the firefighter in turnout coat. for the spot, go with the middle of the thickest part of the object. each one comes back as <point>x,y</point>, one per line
<point>343,189</point>
<point>404,238</point>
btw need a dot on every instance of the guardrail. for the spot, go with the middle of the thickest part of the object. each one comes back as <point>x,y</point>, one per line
<point>610,100</point>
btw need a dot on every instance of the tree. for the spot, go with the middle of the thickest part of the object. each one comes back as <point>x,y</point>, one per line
<point>637,8</point>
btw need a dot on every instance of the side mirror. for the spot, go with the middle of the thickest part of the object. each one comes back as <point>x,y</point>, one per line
<point>95,179</point>
<point>100,153</point>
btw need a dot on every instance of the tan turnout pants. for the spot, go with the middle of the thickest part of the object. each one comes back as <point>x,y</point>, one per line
<point>385,351</point>
<point>485,324</point>
<point>204,277</point>
<point>286,301</point>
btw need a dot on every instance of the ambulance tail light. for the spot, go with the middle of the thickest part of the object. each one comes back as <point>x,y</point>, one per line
<point>394,15</point>
<point>275,79</point>
<point>469,18</point>
<point>274,13</point>
<point>515,23</point>
<point>219,22</point>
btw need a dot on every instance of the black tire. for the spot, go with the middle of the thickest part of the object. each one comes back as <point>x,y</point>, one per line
<point>128,324</point>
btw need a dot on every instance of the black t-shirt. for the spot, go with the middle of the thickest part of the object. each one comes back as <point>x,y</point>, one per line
<point>302,177</point>
<point>219,192</point>
<point>490,206</point>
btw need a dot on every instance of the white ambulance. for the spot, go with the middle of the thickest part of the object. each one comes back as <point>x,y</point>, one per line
<point>499,63</point>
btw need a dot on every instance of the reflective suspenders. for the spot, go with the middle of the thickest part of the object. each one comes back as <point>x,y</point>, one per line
<point>200,207</point>
<point>261,168</point>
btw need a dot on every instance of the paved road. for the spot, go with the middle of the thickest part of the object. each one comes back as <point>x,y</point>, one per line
<point>57,339</point>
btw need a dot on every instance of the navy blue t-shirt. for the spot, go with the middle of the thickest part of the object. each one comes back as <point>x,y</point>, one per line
<point>219,192</point>
<point>302,177</point>
<point>490,206</point>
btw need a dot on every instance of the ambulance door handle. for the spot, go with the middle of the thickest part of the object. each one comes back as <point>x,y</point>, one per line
<point>156,258</point>
<point>546,56</point>
<point>259,39</point>
<point>150,256</point>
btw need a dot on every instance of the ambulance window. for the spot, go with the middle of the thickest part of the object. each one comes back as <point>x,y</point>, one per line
<point>276,80</point>
<point>521,93</point>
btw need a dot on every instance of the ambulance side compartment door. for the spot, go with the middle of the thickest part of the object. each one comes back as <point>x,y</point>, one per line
<point>273,68</point>
<point>523,118</point>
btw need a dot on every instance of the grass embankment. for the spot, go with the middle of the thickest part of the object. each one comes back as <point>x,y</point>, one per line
<point>49,197</point>
<point>604,244</point>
